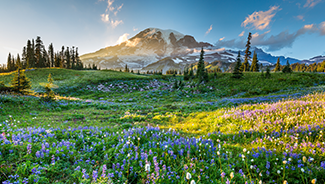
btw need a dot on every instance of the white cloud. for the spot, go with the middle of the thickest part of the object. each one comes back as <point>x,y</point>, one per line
<point>255,35</point>
<point>208,31</point>
<point>311,3</point>
<point>271,42</point>
<point>116,23</point>
<point>222,38</point>
<point>261,20</point>
<point>122,38</point>
<point>241,34</point>
<point>118,9</point>
<point>310,26</point>
<point>107,18</point>
<point>300,17</point>
<point>322,28</point>
<point>135,29</point>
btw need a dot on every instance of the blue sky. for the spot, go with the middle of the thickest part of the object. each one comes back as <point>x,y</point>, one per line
<point>293,28</point>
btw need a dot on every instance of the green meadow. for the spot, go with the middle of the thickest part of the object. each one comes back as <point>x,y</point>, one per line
<point>115,127</point>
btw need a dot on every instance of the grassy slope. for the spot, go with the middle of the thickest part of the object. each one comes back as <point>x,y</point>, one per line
<point>65,77</point>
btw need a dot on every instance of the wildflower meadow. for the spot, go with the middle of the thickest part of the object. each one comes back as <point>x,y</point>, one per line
<point>141,129</point>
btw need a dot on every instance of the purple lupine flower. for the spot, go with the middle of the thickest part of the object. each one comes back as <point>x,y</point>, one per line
<point>222,175</point>
<point>104,171</point>
<point>95,175</point>
<point>85,175</point>
<point>77,169</point>
<point>53,159</point>
<point>29,149</point>
<point>227,182</point>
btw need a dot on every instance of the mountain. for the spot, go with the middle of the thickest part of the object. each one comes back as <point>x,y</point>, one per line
<point>148,46</point>
<point>156,49</point>
<point>316,59</point>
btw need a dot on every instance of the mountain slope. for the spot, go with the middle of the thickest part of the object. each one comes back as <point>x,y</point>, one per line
<point>148,46</point>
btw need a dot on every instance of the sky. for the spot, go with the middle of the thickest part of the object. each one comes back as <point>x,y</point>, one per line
<point>291,28</point>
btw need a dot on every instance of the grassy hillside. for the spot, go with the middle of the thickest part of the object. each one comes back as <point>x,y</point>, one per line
<point>66,77</point>
<point>138,129</point>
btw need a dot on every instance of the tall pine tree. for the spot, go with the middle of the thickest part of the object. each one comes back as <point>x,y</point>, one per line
<point>68,58</point>
<point>247,53</point>
<point>255,64</point>
<point>51,55</point>
<point>9,66</point>
<point>200,73</point>
<point>277,66</point>
<point>237,72</point>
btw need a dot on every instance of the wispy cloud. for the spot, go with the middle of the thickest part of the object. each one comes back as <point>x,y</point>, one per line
<point>208,31</point>
<point>261,20</point>
<point>241,34</point>
<point>322,28</point>
<point>300,17</point>
<point>116,23</point>
<point>311,3</point>
<point>135,29</point>
<point>122,38</point>
<point>106,18</point>
<point>271,42</point>
<point>222,38</point>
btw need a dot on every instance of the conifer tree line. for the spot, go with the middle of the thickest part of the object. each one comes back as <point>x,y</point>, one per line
<point>36,55</point>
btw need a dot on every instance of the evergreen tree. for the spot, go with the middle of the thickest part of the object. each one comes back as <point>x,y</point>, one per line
<point>73,58</point>
<point>247,53</point>
<point>237,73</point>
<point>13,64</point>
<point>186,74</point>
<point>49,93</point>
<point>287,68</point>
<point>277,66</point>
<point>62,53</point>
<point>79,63</point>
<point>30,61</point>
<point>267,74</point>
<point>38,52</point>
<point>51,55</point>
<point>191,74</point>
<point>20,83</point>
<point>255,65</point>
<point>126,68</point>
<point>68,58</point>
<point>23,58</point>
<point>18,63</point>
<point>44,59</point>
<point>201,68</point>
<point>9,66</point>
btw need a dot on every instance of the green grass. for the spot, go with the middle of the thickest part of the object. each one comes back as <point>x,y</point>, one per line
<point>66,77</point>
<point>210,111</point>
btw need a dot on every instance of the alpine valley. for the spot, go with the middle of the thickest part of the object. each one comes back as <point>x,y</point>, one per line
<point>155,49</point>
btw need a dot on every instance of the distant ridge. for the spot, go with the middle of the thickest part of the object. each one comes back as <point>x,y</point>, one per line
<point>163,49</point>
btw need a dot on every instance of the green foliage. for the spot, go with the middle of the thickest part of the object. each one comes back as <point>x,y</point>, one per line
<point>267,74</point>
<point>246,66</point>
<point>49,95</point>
<point>287,68</point>
<point>237,74</point>
<point>277,66</point>
<point>255,65</point>
<point>20,83</point>
<point>201,73</point>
